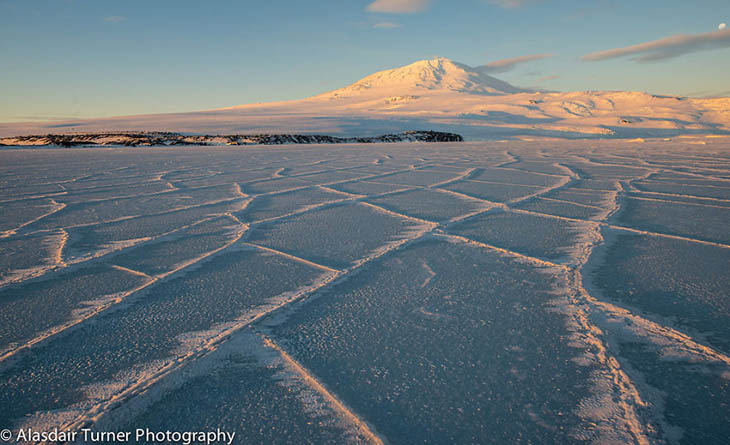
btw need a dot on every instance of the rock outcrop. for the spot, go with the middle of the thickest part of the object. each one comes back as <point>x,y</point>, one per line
<point>131,139</point>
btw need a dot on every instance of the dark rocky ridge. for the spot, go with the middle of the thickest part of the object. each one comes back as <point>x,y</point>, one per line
<point>133,139</point>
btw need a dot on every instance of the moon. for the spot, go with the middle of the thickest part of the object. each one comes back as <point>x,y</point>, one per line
<point>722,26</point>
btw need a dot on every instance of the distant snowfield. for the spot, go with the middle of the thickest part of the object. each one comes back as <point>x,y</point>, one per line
<point>438,95</point>
<point>546,292</point>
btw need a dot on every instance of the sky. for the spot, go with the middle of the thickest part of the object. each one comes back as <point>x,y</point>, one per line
<point>70,59</point>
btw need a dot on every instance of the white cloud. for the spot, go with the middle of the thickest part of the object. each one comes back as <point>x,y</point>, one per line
<point>512,4</point>
<point>115,19</point>
<point>722,26</point>
<point>398,6</point>
<point>504,65</point>
<point>411,6</point>
<point>386,25</point>
<point>666,48</point>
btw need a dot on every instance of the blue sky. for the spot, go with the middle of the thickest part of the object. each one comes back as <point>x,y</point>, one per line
<point>93,58</point>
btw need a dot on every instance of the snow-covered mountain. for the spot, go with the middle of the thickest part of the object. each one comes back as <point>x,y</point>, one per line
<point>439,95</point>
<point>424,77</point>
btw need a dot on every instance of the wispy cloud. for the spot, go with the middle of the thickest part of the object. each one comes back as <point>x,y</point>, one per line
<point>46,117</point>
<point>398,6</point>
<point>504,65</point>
<point>548,78</point>
<point>115,19</point>
<point>389,25</point>
<point>706,94</point>
<point>719,94</point>
<point>666,48</point>
<point>512,4</point>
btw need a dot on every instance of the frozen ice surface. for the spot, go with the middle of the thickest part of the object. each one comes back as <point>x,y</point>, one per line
<point>417,177</point>
<point>515,176</point>
<point>678,218</point>
<point>595,184</point>
<point>147,332</point>
<point>675,279</point>
<point>583,196</point>
<point>24,257</point>
<point>707,189</point>
<point>453,168</point>
<point>538,292</point>
<point>273,185</point>
<point>697,401</point>
<point>332,176</point>
<point>372,187</point>
<point>336,236</point>
<point>681,199</point>
<point>493,191</point>
<point>239,398</point>
<point>30,309</point>
<point>116,192</point>
<point>683,178</point>
<point>427,356</point>
<point>550,168</point>
<point>169,253</point>
<point>81,214</point>
<point>94,240</point>
<point>429,204</point>
<point>608,170</point>
<point>559,207</point>
<point>15,214</point>
<point>528,234</point>
<point>251,393</point>
<point>276,205</point>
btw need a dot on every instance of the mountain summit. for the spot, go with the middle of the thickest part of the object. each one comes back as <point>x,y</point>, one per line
<point>439,74</point>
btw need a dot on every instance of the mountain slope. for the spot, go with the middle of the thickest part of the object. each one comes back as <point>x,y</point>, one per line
<point>439,95</point>
<point>425,76</point>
